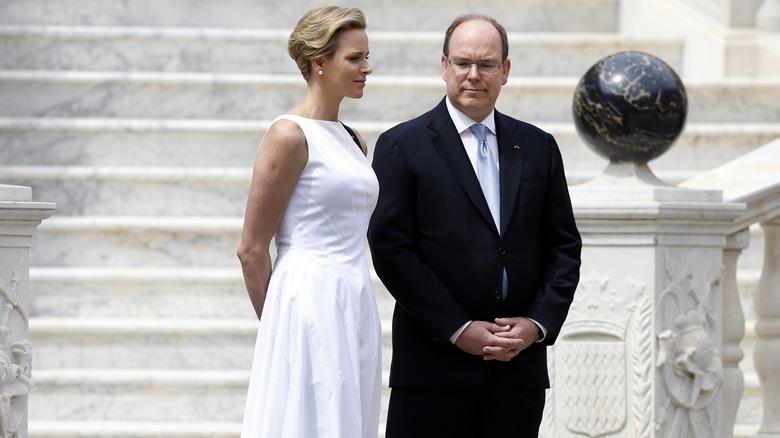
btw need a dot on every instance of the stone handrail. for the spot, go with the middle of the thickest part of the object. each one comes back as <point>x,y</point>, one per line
<point>752,179</point>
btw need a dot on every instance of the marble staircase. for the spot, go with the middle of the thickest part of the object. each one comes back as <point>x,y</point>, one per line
<point>140,119</point>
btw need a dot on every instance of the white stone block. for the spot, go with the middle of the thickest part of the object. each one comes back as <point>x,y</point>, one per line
<point>147,292</point>
<point>212,50</point>
<point>163,191</point>
<point>139,395</point>
<point>128,241</point>
<point>549,15</point>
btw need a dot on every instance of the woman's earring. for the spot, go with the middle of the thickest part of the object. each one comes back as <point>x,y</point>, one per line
<point>319,72</point>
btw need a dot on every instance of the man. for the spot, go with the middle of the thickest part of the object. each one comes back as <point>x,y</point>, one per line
<point>480,290</point>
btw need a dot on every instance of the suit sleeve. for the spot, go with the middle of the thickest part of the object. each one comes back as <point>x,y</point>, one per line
<point>562,249</point>
<point>392,240</point>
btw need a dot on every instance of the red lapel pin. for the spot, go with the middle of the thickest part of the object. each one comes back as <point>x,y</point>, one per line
<point>516,147</point>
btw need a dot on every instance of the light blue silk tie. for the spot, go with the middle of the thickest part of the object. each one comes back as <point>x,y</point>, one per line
<point>487,172</point>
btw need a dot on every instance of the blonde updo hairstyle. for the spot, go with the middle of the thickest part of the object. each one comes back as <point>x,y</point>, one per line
<point>315,34</point>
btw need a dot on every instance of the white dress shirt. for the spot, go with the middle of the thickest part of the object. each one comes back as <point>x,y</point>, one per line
<point>471,144</point>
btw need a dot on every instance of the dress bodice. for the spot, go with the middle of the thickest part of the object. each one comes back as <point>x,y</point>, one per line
<point>336,193</point>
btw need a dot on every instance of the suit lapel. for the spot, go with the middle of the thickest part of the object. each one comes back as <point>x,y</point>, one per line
<point>510,160</point>
<point>448,144</point>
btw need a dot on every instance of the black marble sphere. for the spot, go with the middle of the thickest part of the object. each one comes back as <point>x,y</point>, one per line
<point>630,106</point>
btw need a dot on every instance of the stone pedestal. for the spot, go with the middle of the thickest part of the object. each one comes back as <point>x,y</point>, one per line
<point>18,219</point>
<point>640,353</point>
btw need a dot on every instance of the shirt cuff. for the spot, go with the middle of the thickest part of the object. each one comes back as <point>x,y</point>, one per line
<point>455,335</point>
<point>542,330</point>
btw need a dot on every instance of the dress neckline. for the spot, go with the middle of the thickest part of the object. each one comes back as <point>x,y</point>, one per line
<point>311,119</point>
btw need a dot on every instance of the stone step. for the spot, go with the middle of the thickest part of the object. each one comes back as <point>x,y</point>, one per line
<point>133,429</point>
<point>205,192</point>
<point>132,142</point>
<point>207,292</point>
<point>138,395</point>
<point>99,292</point>
<point>131,241</point>
<point>233,143</point>
<point>179,293</point>
<point>165,191</point>
<point>257,96</point>
<point>215,50</point>
<point>244,96</point>
<point>131,393</point>
<point>434,15</point>
<point>162,395</point>
<point>150,343</point>
<point>144,395</point>
<point>135,343</point>
<point>208,191</point>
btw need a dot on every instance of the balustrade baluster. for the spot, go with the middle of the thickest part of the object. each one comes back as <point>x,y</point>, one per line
<point>767,350</point>
<point>733,332</point>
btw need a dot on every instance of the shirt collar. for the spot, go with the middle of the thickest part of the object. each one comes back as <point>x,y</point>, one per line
<point>464,122</point>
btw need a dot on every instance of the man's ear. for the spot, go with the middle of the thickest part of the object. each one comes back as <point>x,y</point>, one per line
<point>507,66</point>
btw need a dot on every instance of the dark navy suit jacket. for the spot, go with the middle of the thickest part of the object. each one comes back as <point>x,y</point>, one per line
<point>436,248</point>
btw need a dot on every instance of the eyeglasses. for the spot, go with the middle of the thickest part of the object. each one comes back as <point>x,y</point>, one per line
<point>464,66</point>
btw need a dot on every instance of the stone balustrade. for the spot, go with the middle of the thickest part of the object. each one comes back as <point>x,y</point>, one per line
<point>752,179</point>
<point>651,347</point>
<point>639,354</point>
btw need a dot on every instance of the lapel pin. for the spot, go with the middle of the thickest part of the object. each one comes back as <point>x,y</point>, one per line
<point>516,147</point>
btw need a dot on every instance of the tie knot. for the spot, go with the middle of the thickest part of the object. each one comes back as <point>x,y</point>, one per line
<point>479,131</point>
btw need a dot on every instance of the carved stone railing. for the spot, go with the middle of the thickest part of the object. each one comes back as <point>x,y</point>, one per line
<point>752,179</point>
<point>18,219</point>
<point>639,354</point>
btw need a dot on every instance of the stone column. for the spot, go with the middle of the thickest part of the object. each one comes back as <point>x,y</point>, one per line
<point>19,217</point>
<point>767,350</point>
<point>640,353</point>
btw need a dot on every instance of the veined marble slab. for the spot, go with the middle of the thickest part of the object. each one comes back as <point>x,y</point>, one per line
<point>233,143</point>
<point>132,241</point>
<point>146,292</point>
<point>139,395</point>
<point>170,343</point>
<point>548,15</point>
<point>93,48</point>
<point>164,191</point>
<point>245,96</point>
<point>134,429</point>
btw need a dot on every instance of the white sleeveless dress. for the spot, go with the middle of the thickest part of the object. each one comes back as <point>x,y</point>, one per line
<point>317,368</point>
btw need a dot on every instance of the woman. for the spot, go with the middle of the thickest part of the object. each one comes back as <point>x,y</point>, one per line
<point>317,363</point>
